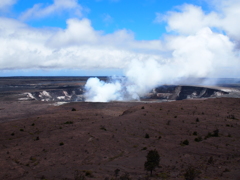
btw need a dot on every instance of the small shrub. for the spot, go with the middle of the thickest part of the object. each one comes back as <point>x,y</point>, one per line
<point>68,122</point>
<point>231,116</point>
<point>191,173</point>
<point>61,144</point>
<point>142,107</point>
<point>185,142</point>
<point>79,175</point>
<point>103,128</point>
<point>195,133</point>
<point>33,124</point>
<point>147,135</point>
<point>198,139</point>
<point>73,109</point>
<point>216,133</point>
<point>226,170</point>
<point>21,130</point>
<point>88,173</point>
<point>126,176</point>
<point>116,172</point>
<point>197,120</point>
<point>12,134</point>
<point>210,160</point>
<point>144,148</point>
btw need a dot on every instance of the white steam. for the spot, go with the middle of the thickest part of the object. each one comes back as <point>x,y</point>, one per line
<point>201,55</point>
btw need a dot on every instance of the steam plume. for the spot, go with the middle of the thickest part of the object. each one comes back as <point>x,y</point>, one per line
<point>201,55</point>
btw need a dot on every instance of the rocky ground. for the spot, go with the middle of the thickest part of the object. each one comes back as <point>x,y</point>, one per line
<point>84,140</point>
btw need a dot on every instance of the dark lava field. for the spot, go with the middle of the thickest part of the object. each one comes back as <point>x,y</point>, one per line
<point>194,129</point>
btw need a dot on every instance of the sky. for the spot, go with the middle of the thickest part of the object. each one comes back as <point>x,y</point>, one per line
<point>181,38</point>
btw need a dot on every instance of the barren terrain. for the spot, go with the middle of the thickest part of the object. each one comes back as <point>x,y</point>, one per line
<point>56,142</point>
<point>82,140</point>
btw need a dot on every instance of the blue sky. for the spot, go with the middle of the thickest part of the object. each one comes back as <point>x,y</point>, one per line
<point>110,15</point>
<point>103,37</point>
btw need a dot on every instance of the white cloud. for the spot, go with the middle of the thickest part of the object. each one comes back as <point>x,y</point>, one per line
<point>195,50</point>
<point>6,3</point>
<point>78,46</point>
<point>59,6</point>
<point>190,19</point>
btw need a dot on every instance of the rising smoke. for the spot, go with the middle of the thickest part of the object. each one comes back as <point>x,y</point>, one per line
<point>204,54</point>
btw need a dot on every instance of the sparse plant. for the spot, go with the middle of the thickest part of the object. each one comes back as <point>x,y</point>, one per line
<point>142,107</point>
<point>198,139</point>
<point>68,122</point>
<point>79,175</point>
<point>61,144</point>
<point>147,135</point>
<point>195,133</point>
<point>231,116</point>
<point>116,172</point>
<point>103,128</point>
<point>88,173</point>
<point>184,143</point>
<point>73,109</point>
<point>191,173</point>
<point>152,162</point>
<point>197,120</point>
<point>216,133</point>
<point>21,130</point>
<point>210,160</point>
<point>125,176</point>
<point>168,122</point>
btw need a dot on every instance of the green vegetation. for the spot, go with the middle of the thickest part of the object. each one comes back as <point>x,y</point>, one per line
<point>184,143</point>
<point>68,122</point>
<point>103,128</point>
<point>198,139</point>
<point>191,173</point>
<point>214,134</point>
<point>152,162</point>
<point>147,135</point>
<point>195,133</point>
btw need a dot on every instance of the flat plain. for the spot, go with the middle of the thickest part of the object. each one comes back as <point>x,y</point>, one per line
<point>86,140</point>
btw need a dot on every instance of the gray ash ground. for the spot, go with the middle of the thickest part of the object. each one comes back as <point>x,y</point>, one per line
<point>42,141</point>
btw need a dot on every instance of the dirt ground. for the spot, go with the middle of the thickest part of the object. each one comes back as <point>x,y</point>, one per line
<point>42,141</point>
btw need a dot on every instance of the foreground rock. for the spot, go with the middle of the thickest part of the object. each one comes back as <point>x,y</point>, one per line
<point>96,139</point>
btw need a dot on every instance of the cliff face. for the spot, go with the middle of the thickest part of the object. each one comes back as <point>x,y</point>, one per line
<point>72,94</point>
<point>184,92</point>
